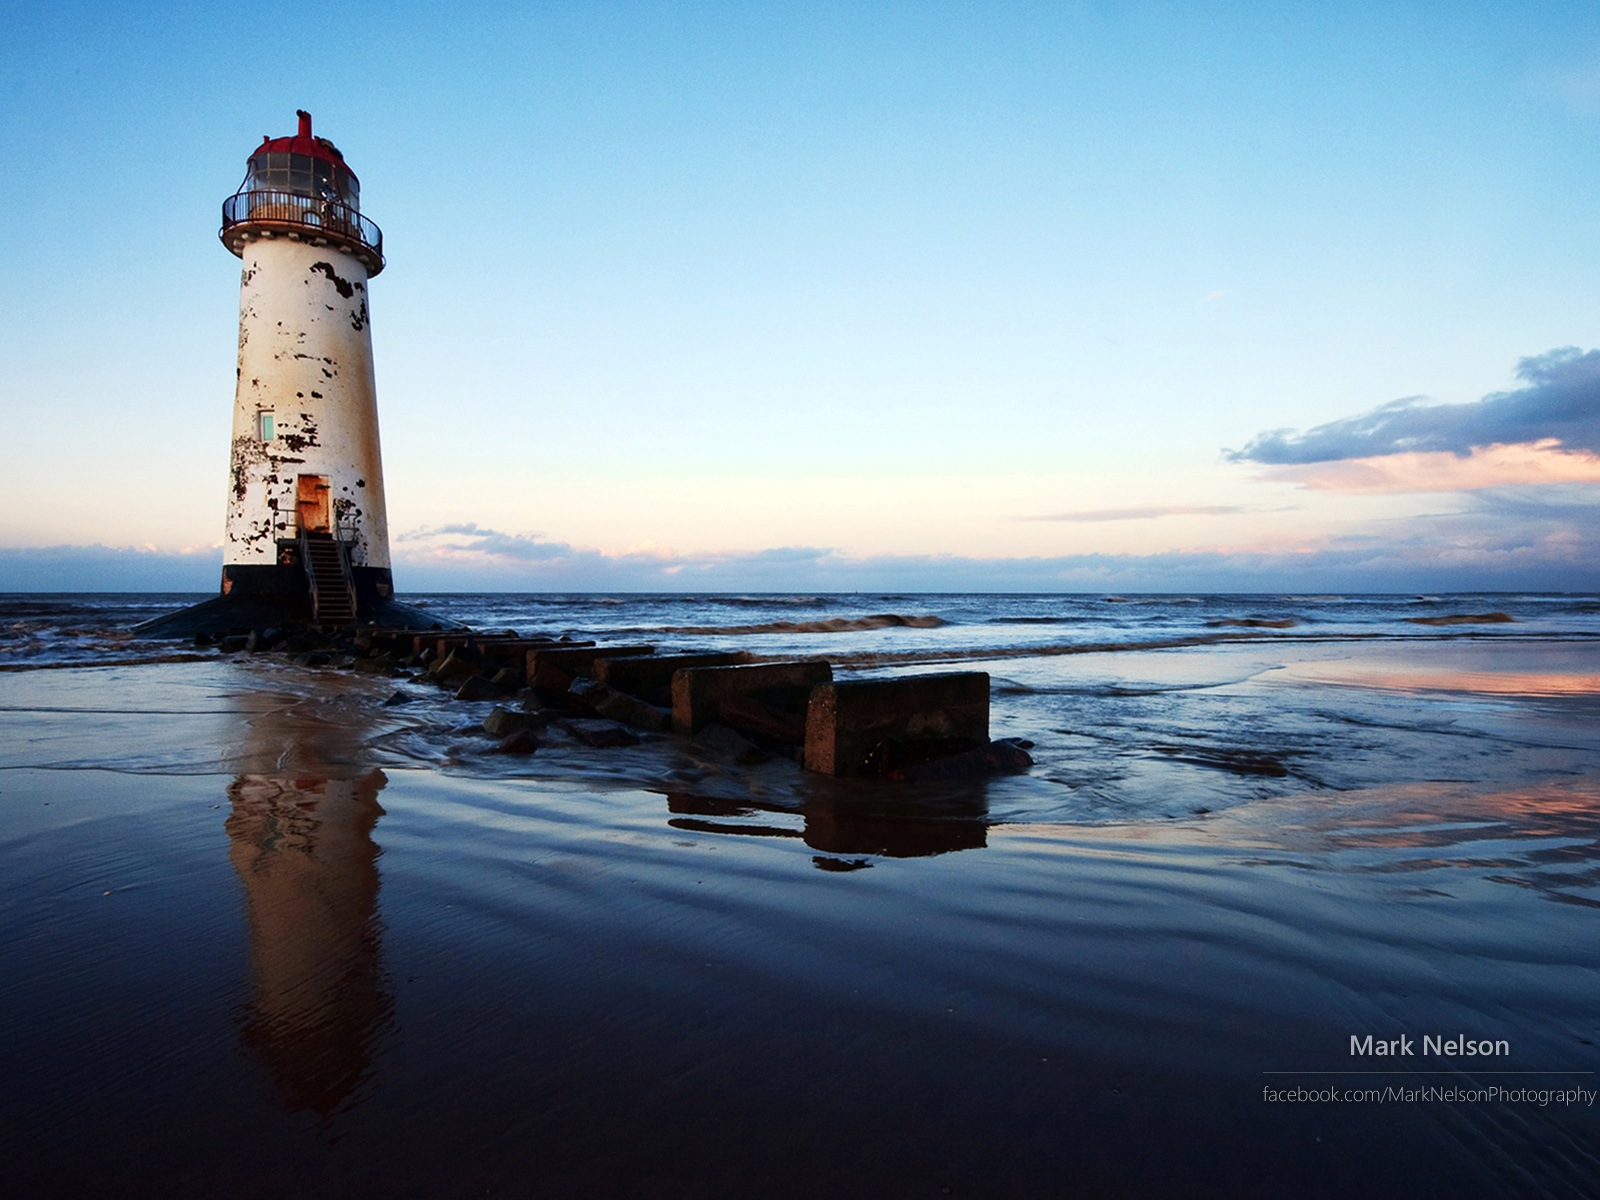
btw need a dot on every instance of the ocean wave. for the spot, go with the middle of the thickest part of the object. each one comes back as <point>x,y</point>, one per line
<point>1488,618</point>
<point>827,625</point>
<point>1254,622</point>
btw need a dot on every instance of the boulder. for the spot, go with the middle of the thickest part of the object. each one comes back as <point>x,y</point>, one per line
<point>617,706</point>
<point>519,741</point>
<point>730,744</point>
<point>453,668</point>
<point>476,687</point>
<point>1005,756</point>
<point>600,733</point>
<point>503,721</point>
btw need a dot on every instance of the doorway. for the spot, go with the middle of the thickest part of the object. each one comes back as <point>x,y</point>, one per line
<point>311,507</point>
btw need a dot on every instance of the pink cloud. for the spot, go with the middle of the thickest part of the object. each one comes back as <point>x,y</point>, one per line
<point>1444,471</point>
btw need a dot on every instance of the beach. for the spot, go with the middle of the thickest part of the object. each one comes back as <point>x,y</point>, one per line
<point>280,930</point>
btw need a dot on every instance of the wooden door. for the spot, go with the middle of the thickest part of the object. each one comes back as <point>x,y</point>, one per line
<point>311,508</point>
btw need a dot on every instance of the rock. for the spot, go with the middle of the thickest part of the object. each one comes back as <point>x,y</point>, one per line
<point>750,715</point>
<point>519,741</point>
<point>204,639</point>
<point>600,733</point>
<point>1004,756</point>
<point>452,668</point>
<point>398,698</point>
<point>608,702</point>
<point>506,679</point>
<point>232,644</point>
<point>503,721</point>
<point>476,687</point>
<point>264,639</point>
<point>730,744</point>
<point>316,658</point>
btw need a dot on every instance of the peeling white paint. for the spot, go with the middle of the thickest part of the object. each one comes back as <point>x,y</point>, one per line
<point>305,355</point>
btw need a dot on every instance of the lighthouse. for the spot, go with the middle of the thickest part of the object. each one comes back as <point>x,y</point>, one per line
<point>306,518</point>
<point>307,535</point>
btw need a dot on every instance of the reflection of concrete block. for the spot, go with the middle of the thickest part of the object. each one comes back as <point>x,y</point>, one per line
<point>698,693</point>
<point>872,726</point>
<point>554,670</point>
<point>645,676</point>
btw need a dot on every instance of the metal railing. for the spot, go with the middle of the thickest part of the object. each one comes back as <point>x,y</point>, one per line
<point>332,217</point>
<point>347,576</point>
<point>343,544</point>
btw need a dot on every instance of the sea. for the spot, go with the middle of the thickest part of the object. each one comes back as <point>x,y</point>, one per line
<point>1298,897</point>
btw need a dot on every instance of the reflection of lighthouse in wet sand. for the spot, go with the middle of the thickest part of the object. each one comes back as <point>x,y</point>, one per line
<point>306,513</point>
<point>304,852</point>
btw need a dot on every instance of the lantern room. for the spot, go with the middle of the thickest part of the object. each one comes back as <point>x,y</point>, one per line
<point>301,188</point>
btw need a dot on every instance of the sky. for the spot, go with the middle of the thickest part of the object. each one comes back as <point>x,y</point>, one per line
<point>833,297</point>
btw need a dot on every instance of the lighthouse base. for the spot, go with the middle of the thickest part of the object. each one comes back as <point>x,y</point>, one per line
<point>273,596</point>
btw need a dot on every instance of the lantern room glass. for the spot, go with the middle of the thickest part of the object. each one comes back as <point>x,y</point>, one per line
<point>302,175</point>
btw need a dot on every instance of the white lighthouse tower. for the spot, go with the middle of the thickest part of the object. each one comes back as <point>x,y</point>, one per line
<point>307,529</point>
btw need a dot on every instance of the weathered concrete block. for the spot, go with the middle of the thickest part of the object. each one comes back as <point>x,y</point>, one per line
<point>698,693</point>
<point>873,726</point>
<point>649,675</point>
<point>513,652</point>
<point>554,670</point>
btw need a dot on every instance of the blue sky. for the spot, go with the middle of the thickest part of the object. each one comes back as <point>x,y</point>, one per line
<point>967,297</point>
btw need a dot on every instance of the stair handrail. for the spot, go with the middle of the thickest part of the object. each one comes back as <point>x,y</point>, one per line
<point>344,559</point>
<point>303,536</point>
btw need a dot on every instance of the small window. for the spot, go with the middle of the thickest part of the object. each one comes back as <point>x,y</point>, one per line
<point>266,426</point>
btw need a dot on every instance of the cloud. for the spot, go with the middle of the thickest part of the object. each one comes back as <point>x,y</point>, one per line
<point>474,539</point>
<point>1505,539</point>
<point>1145,514</point>
<point>1440,471</point>
<point>1559,406</point>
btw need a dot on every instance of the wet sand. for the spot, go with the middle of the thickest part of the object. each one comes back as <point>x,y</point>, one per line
<point>265,936</point>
